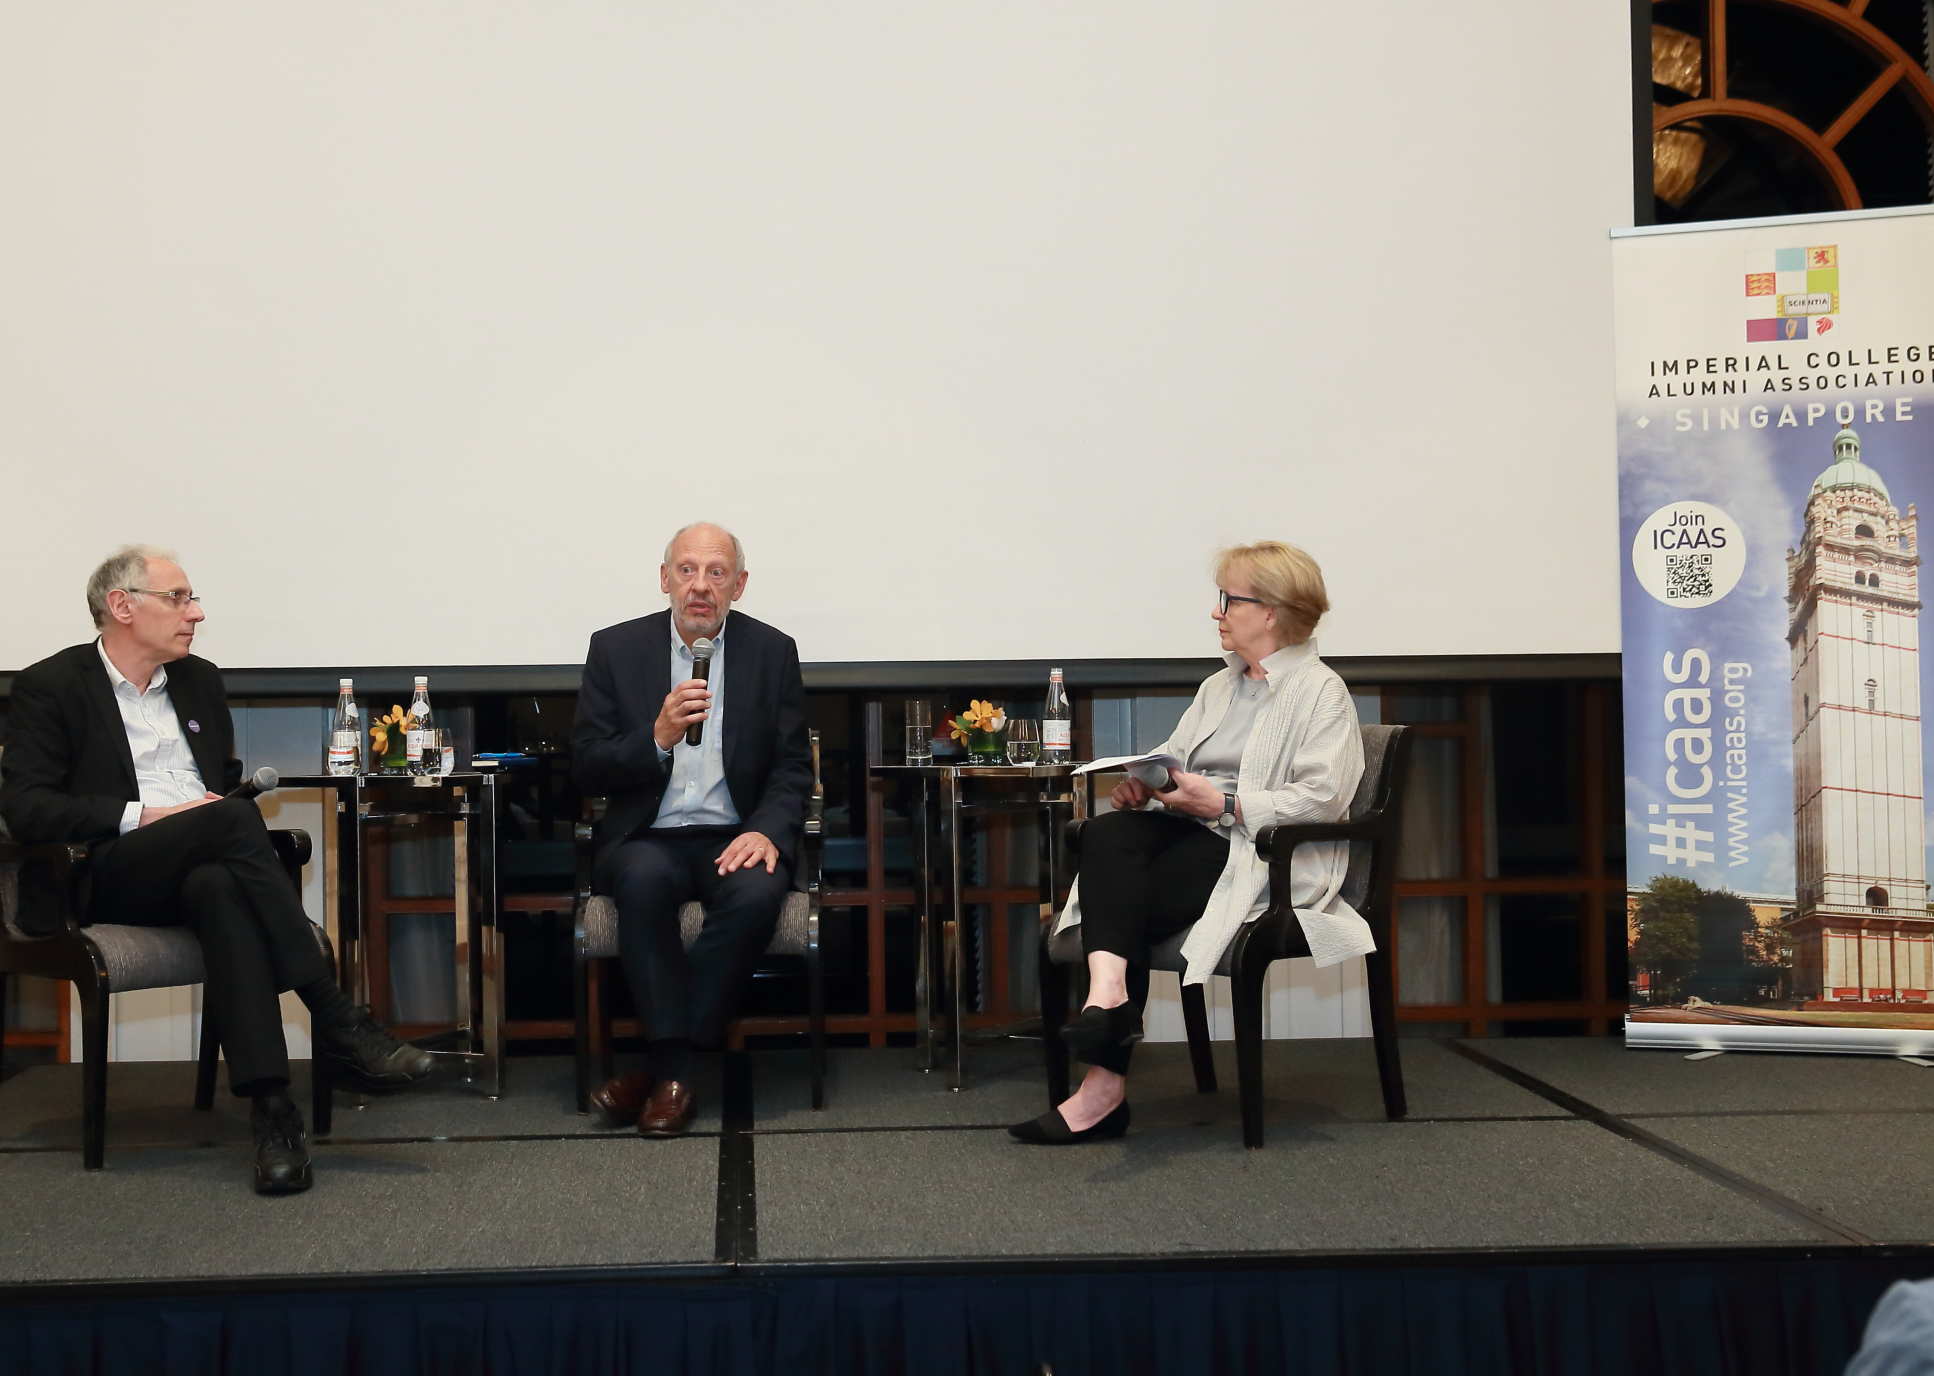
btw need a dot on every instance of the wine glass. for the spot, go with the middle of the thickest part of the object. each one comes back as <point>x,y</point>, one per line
<point>1023,741</point>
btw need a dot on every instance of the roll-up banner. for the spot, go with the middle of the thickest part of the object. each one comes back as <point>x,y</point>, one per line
<point>1775,441</point>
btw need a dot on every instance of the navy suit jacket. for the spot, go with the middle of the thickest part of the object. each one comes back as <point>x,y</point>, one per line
<point>768,754</point>
<point>67,774</point>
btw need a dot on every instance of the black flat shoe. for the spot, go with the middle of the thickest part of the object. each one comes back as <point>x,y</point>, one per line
<point>1096,1029</point>
<point>1052,1130</point>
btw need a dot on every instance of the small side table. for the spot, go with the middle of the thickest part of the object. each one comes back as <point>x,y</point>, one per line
<point>473,800</point>
<point>946,795</point>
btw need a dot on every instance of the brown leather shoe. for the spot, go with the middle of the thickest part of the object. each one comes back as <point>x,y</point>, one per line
<point>617,1103</point>
<point>668,1113</point>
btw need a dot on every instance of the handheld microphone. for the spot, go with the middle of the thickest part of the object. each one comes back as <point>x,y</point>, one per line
<point>261,781</point>
<point>702,671</point>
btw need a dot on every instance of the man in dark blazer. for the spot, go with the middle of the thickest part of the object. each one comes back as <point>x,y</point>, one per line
<point>718,821</point>
<point>119,744</point>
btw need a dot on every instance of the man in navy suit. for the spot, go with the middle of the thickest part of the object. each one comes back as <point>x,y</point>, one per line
<point>718,822</point>
<point>114,744</point>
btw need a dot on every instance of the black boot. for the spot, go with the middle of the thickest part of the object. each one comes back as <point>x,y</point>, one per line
<point>281,1146</point>
<point>357,1050</point>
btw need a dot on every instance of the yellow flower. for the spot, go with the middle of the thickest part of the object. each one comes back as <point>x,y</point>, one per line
<point>379,730</point>
<point>980,715</point>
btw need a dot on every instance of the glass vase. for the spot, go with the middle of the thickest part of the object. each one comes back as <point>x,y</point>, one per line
<point>986,747</point>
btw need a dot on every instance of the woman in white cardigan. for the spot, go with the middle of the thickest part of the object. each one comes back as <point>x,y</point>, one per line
<point>1271,739</point>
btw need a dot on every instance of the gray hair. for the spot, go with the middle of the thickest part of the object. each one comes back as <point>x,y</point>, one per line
<point>127,567</point>
<point>738,550</point>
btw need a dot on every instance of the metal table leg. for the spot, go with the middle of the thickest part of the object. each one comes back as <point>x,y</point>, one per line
<point>489,1009</point>
<point>353,969</point>
<point>929,927</point>
<point>957,916</point>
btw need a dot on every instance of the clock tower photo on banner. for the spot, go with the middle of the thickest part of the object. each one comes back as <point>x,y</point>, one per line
<point>1775,440</point>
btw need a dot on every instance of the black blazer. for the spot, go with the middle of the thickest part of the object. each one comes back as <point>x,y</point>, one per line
<point>67,774</point>
<point>768,753</point>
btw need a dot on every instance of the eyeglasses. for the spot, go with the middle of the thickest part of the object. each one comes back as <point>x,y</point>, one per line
<point>175,597</point>
<point>1223,599</point>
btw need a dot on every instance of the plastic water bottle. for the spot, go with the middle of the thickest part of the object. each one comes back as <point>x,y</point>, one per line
<point>1057,723</point>
<point>423,759</point>
<point>346,732</point>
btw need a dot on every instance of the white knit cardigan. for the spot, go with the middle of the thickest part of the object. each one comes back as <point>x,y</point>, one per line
<point>1302,763</point>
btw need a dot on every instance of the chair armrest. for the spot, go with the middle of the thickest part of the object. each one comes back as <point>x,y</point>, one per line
<point>812,848</point>
<point>1277,843</point>
<point>51,874</point>
<point>293,849</point>
<point>584,844</point>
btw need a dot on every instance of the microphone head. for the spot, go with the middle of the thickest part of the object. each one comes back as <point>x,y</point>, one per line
<point>702,647</point>
<point>266,778</point>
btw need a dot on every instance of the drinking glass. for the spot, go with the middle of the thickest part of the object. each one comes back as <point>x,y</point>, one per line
<point>1023,741</point>
<point>445,749</point>
<point>919,731</point>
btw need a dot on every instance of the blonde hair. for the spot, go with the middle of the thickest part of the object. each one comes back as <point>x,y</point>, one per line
<point>1284,577</point>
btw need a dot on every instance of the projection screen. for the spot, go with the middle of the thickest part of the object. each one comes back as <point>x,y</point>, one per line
<point>417,327</point>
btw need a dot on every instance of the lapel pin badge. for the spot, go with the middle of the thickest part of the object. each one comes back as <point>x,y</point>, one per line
<point>194,725</point>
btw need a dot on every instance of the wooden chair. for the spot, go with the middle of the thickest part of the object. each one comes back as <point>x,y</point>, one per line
<point>1374,833</point>
<point>595,942</point>
<point>41,934</point>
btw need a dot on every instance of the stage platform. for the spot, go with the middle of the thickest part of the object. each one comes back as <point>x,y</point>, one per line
<point>1547,1203</point>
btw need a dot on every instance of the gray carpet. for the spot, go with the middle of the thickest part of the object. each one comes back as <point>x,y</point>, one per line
<point>1184,1189</point>
<point>152,1103</point>
<point>898,1167</point>
<point>1868,1171</point>
<point>181,1212</point>
<point>1304,1081</point>
<point>1602,1072</point>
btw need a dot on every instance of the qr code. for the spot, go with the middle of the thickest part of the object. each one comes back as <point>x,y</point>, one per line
<point>1688,575</point>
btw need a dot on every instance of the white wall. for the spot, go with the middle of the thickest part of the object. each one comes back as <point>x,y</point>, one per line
<point>418,326</point>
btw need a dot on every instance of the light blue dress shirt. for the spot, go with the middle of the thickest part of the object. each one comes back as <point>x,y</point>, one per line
<point>165,771</point>
<point>696,795</point>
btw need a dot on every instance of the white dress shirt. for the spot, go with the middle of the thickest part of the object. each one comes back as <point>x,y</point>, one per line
<point>164,769</point>
<point>696,794</point>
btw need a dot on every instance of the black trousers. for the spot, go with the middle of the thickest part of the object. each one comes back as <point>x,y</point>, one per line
<point>1144,877</point>
<point>212,869</point>
<point>688,996</point>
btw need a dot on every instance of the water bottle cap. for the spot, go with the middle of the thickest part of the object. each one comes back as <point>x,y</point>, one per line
<point>1055,672</point>
<point>423,680</point>
<point>345,683</point>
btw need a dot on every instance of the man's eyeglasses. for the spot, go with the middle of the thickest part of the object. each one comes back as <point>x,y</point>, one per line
<point>174,597</point>
<point>1223,599</point>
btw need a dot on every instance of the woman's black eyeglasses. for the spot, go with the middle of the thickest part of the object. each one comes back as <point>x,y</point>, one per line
<point>1223,599</point>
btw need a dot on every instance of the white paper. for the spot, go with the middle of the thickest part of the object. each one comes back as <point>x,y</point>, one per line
<point>1147,768</point>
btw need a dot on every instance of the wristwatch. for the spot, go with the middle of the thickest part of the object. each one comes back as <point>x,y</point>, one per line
<point>1228,817</point>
